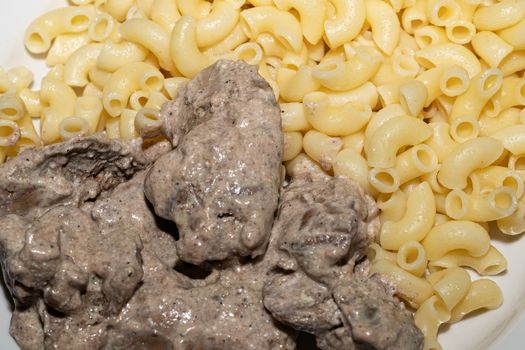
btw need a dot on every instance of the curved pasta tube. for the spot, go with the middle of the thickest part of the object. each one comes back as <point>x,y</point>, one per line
<point>416,222</point>
<point>148,122</point>
<point>294,85</point>
<point>382,116</point>
<point>355,141</point>
<point>414,17</point>
<point>411,257</point>
<point>118,9</point>
<point>197,9</point>
<point>347,75</point>
<point>350,164</point>
<point>514,224</point>
<point>61,101</point>
<point>127,125</point>
<point>414,162</point>
<point>511,93</point>
<point>233,40</point>
<point>9,133</point>
<point>292,145</point>
<point>497,204</point>
<point>312,14</point>
<point>384,180</point>
<point>491,263</point>
<point>514,35</point>
<point>302,164</point>
<point>151,36</point>
<point>218,24</point>
<point>453,235</point>
<point>78,65</point>
<point>31,101</point>
<point>101,27</point>
<point>116,55</point>
<point>451,285</point>
<point>491,48</point>
<point>322,148</point>
<point>496,176</point>
<point>392,205</point>
<point>430,315</point>
<point>447,54</point>
<point>44,29</point>
<point>185,53</point>
<point>441,142</point>
<point>467,157</point>
<point>482,87</point>
<point>281,24</point>
<point>89,108</point>
<point>391,136</point>
<point>430,35</point>
<point>28,135</point>
<point>384,23</point>
<point>293,116</point>
<point>347,23</point>
<point>375,253</point>
<point>127,79</point>
<point>165,13</point>
<point>12,107</point>
<point>366,93</point>
<point>498,16</point>
<point>482,294</point>
<point>172,85</point>
<point>460,31</point>
<point>413,96</point>
<point>442,12</point>
<point>20,77</point>
<point>337,120</point>
<point>512,138</point>
<point>454,81</point>
<point>72,127</point>
<point>489,125</point>
<point>413,289</point>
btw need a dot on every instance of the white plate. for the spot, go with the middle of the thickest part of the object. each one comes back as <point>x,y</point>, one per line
<point>500,329</point>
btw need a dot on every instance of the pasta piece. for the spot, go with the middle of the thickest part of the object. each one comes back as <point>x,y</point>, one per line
<point>440,141</point>
<point>127,79</point>
<point>294,85</point>
<point>293,117</point>
<point>392,205</point>
<point>347,75</point>
<point>512,138</point>
<point>293,145</point>
<point>376,253</point>
<point>499,15</point>
<point>312,14</point>
<point>430,35</point>
<point>454,81</point>
<point>61,101</point>
<point>492,177</point>
<point>101,27</point>
<point>89,108</point>
<point>442,12</point>
<point>413,97</point>
<point>411,257</point>
<point>347,22</point>
<point>12,107</point>
<point>483,294</point>
<point>467,157</point>
<point>451,285</point>
<point>414,290</point>
<point>44,29</point>
<point>64,45</point>
<point>72,127</point>
<point>127,125</point>
<point>350,164</point>
<point>514,35</point>
<point>20,77</point>
<point>430,315</point>
<point>391,136</point>
<point>150,35</point>
<point>338,120</point>
<point>514,224</point>
<point>491,263</point>
<point>216,26</point>
<point>460,31</point>
<point>414,17</point>
<point>384,23</point>
<point>453,235</point>
<point>322,148</point>
<point>116,55</point>
<point>148,123</point>
<point>31,101</point>
<point>281,24</point>
<point>491,48</point>
<point>490,125</point>
<point>447,54</point>
<point>415,223</point>
<point>79,63</point>
<point>185,53</point>
<point>9,133</point>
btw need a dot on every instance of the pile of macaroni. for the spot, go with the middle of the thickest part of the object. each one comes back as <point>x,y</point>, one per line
<point>419,101</point>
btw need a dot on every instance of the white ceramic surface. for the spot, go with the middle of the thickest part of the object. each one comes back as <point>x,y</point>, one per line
<point>495,330</point>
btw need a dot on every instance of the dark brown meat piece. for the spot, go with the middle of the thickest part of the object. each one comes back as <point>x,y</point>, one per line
<point>322,230</point>
<point>220,184</point>
<point>66,173</point>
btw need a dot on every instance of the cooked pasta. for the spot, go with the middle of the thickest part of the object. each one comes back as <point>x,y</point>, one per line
<point>421,102</point>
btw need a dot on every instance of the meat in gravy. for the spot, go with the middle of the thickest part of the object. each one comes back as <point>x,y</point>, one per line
<point>193,243</point>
